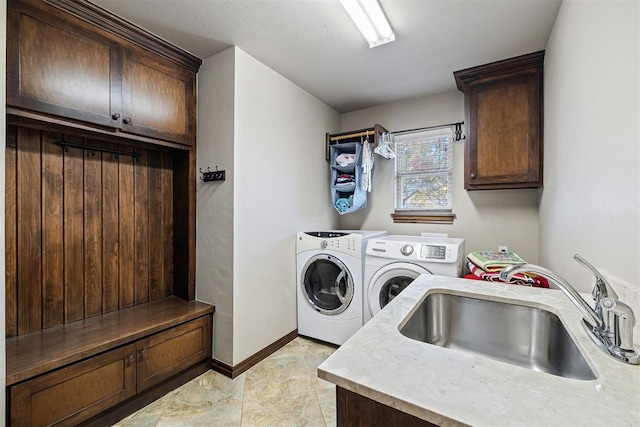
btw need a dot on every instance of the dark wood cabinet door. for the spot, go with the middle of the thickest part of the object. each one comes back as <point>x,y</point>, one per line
<point>505,134</point>
<point>158,98</point>
<point>57,65</point>
<point>504,121</point>
<point>167,353</point>
<point>76,393</point>
<point>354,410</point>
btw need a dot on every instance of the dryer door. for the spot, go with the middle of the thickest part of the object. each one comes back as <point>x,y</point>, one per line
<point>327,284</point>
<point>389,281</point>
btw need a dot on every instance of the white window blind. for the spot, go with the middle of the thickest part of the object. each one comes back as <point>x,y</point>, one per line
<point>424,170</point>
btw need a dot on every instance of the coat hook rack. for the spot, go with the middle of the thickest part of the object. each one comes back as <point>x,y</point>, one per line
<point>116,153</point>
<point>210,176</point>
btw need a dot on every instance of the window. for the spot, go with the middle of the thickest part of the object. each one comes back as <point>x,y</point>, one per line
<point>424,176</point>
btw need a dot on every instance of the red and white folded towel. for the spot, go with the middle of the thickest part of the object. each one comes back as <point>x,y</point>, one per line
<point>523,279</point>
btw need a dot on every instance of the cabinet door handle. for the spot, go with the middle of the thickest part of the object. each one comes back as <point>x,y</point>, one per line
<point>132,358</point>
<point>143,354</point>
<point>115,116</point>
<point>126,121</point>
<point>473,176</point>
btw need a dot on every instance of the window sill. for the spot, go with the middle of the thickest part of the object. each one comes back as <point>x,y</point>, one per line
<point>423,217</point>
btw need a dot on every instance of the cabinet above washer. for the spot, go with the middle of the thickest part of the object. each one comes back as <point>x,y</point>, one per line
<point>504,117</point>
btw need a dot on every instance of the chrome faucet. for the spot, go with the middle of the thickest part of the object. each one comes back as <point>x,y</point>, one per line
<point>610,324</point>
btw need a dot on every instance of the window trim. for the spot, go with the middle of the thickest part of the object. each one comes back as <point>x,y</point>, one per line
<point>424,216</point>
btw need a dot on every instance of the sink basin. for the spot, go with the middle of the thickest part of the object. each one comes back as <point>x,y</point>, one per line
<point>526,336</point>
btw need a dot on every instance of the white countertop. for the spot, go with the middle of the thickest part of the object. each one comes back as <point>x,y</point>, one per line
<point>451,387</point>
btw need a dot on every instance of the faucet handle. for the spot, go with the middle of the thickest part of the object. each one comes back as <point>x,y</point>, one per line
<point>602,289</point>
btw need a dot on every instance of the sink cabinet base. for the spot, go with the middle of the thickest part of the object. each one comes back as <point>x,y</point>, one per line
<point>354,410</point>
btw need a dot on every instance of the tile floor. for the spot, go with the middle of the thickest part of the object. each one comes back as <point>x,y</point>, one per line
<point>281,390</point>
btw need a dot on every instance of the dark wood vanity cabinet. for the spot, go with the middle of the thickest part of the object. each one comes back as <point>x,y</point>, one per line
<point>63,65</point>
<point>504,123</point>
<point>355,410</point>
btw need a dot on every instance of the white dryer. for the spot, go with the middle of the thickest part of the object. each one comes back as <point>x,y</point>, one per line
<point>330,268</point>
<point>393,262</point>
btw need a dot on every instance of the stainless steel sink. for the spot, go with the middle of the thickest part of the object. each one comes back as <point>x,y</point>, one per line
<point>521,335</point>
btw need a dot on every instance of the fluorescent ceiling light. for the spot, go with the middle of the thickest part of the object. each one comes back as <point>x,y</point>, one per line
<point>370,20</point>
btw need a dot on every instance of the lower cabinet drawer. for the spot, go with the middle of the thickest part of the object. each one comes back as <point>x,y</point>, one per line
<point>75,393</point>
<point>167,353</point>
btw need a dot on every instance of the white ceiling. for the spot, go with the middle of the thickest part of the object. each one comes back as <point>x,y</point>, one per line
<point>314,43</point>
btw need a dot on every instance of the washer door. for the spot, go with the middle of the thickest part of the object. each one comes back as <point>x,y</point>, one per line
<point>389,281</point>
<point>327,284</point>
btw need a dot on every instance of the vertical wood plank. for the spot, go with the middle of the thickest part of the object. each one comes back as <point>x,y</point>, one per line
<point>126,230</point>
<point>11,291</point>
<point>92,231</point>
<point>52,231</point>
<point>110,231</point>
<point>141,221</point>
<point>156,229</point>
<point>29,258</point>
<point>167,223</point>
<point>73,233</point>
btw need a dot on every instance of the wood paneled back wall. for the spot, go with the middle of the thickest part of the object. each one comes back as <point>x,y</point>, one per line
<point>86,233</point>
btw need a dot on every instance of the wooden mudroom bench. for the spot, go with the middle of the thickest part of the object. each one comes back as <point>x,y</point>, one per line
<point>71,373</point>
<point>100,214</point>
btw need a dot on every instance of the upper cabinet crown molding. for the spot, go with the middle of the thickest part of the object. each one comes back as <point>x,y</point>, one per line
<point>498,69</point>
<point>106,20</point>
<point>504,117</point>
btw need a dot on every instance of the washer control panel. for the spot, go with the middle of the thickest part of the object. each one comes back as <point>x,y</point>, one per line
<point>340,242</point>
<point>432,250</point>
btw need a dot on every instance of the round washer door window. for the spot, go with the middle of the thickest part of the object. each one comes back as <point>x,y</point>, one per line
<point>327,284</point>
<point>389,282</point>
<point>392,287</point>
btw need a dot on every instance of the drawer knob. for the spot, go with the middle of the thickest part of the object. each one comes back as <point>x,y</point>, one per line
<point>126,121</point>
<point>115,116</point>
<point>473,176</point>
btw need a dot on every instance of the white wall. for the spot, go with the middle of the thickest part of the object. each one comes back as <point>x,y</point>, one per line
<point>591,200</point>
<point>281,187</point>
<point>3,80</point>
<point>215,206</point>
<point>485,219</point>
<point>269,136</point>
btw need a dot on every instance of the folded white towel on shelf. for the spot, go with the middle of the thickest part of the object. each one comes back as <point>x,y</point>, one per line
<point>346,159</point>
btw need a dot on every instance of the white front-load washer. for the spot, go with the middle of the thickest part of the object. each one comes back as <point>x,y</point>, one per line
<point>330,268</point>
<point>393,262</point>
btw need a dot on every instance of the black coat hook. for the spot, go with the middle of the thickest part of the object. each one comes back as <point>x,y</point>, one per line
<point>209,175</point>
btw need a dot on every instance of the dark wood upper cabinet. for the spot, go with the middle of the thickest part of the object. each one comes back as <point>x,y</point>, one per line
<point>57,67</point>
<point>62,61</point>
<point>157,97</point>
<point>504,118</point>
